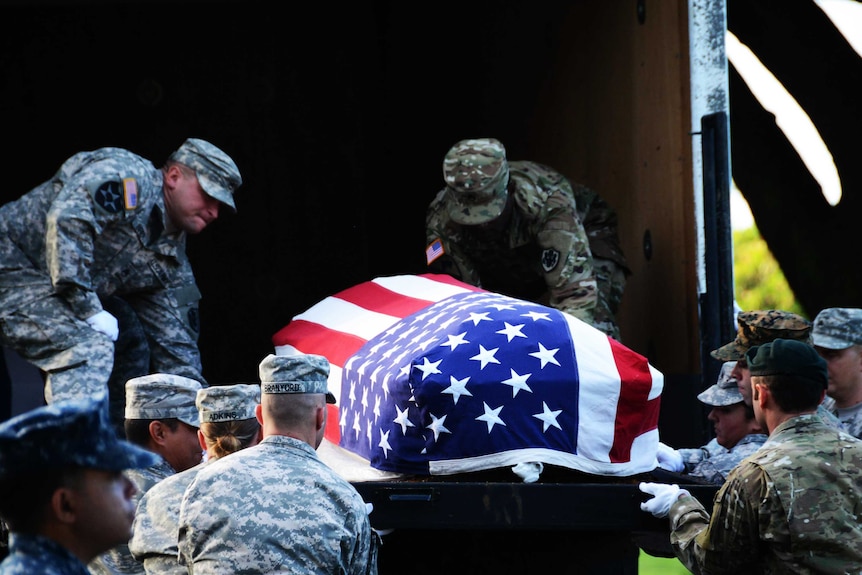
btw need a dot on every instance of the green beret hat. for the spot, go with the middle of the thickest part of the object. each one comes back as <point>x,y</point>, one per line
<point>787,356</point>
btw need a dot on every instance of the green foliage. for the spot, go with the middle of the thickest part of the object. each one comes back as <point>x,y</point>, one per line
<point>649,565</point>
<point>759,282</point>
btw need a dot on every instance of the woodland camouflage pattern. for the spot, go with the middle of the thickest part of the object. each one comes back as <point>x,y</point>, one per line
<point>762,326</point>
<point>560,248</point>
<point>74,238</point>
<point>298,515</point>
<point>791,507</point>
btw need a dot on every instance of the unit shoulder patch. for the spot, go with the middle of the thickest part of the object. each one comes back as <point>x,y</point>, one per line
<point>115,196</point>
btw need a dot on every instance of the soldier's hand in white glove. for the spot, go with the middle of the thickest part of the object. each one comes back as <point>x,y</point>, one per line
<point>669,458</point>
<point>663,497</point>
<point>105,323</point>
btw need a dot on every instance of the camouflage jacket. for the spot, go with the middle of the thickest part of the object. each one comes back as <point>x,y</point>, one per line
<point>98,228</point>
<point>34,554</point>
<point>713,462</point>
<point>791,507</point>
<point>120,559</point>
<point>154,531</point>
<point>850,417</point>
<point>545,254</point>
<point>298,515</point>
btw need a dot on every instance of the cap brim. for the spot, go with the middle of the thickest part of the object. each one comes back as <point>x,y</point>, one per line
<point>216,191</point>
<point>829,342</point>
<point>732,351</point>
<point>124,455</point>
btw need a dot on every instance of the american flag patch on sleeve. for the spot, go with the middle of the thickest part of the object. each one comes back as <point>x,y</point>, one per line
<point>130,193</point>
<point>434,251</point>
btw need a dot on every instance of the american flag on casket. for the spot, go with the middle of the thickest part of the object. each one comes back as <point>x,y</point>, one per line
<point>436,377</point>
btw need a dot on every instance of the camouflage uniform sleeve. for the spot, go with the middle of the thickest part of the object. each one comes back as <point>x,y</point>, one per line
<point>453,261</point>
<point>567,259</point>
<point>728,541</point>
<point>73,222</point>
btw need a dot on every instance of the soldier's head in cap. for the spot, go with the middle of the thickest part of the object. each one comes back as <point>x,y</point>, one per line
<point>476,173</point>
<point>294,396</point>
<point>788,377</point>
<point>161,416</point>
<point>756,328</point>
<point>837,337</point>
<point>61,476</point>
<point>198,178</point>
<point>228,416</point>
<point>732,419</point>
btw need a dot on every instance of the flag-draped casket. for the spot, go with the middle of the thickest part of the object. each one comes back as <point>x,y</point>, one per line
<point>436,377</point>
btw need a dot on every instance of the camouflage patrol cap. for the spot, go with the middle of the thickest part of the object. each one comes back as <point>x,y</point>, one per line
<point>216,171</point>
<point>73,432</point>
<point>227,402</point>
<point>301,373</point>
<point>837,328</point>
<point>476,174</point>
<point>762,326</point>
<point>724,391</point>
<point>787,357</point>
<point>162,396</point>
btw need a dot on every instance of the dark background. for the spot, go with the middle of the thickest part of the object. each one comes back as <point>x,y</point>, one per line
<point>338,117</point>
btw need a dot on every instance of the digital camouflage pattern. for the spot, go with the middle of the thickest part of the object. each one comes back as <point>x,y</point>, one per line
<point>298,516</point>
<point>227,402</point>
<point>850,417</point>
<point>762,326</point>
<point>713,462</point>
<point>837,328</point>
<point>154,531</point>
<point>725,391</point>
<point>216,171</point>
<point>791,507</point>
<point>73,433</point>
<point>119,559</point>
<point>163,396</point>
<point>96,228</point>
<point>559,246</point>
<point>34,554</point>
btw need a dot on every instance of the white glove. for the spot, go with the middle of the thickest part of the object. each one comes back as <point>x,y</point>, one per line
<point>663,497</point>
<point>105,323</point>
<point>669,458</point>
<point>369,507</point>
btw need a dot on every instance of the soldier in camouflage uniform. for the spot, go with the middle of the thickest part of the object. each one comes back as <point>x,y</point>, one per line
<point>160,416</point>
<point>791,507</point>
<point>228,424</point>
<point>523,229</point>
<point>837,337</point>
<point>276,507</point>
<point>737,434</point>
<point>762,326</point>
<point>64,494</point>
<point>109,226</point>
